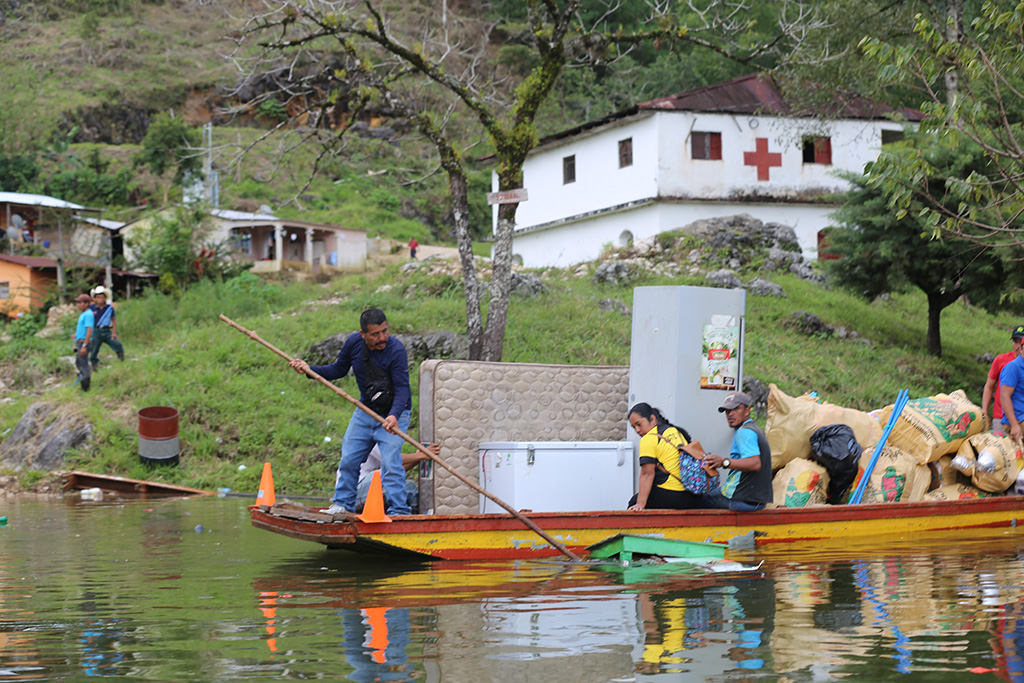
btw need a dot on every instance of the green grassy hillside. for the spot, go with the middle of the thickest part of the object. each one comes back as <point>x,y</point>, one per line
<point>241,405</point>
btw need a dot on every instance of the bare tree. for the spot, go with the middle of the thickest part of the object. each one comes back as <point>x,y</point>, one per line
<point>428,66</point>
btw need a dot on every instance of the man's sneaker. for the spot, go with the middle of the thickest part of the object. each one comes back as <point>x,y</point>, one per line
<point>336,509</point>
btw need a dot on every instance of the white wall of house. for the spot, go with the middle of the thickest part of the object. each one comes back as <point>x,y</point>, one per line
<point>584,240</point>
<point>599,181</point>
<point>565,223</point>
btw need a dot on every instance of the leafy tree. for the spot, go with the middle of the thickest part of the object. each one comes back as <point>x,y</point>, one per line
<point>178,248</point>
<point>171,143</point>
<point>983,105</point>
<point>92,188</point>
<point>414,63</point>
<point>59,151</point>
<point>19,172</point>
<point>880,252</point>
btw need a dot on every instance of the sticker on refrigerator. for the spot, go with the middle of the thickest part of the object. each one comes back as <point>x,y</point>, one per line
<point>720,362</point>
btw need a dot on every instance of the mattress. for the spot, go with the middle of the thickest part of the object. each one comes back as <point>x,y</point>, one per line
<point>465,403</point>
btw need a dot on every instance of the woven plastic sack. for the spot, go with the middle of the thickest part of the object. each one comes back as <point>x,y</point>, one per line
<point>930,427</point>
<point>799,484</point>
<point>956,492</point>
<point>791,421</point>
<point>991,460</point>
<point>897,477</point>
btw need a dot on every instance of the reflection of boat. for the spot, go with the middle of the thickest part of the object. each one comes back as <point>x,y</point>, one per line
<point>493,536</point>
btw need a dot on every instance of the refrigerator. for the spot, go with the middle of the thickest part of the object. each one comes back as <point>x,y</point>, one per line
<point>557,476</point>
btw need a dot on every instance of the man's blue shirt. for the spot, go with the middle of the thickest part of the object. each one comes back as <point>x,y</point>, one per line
<point>393,359</point>
<point>85,320</point>
<point>1013,376</point>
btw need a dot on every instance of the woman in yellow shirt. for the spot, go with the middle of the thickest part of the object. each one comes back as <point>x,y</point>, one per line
<point>660,487</point>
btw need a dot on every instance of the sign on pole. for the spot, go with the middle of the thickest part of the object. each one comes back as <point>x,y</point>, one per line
<point>507,196</point>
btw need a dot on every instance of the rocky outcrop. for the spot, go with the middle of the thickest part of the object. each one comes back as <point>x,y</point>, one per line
<point>43,437</point>
<point>614,273</point>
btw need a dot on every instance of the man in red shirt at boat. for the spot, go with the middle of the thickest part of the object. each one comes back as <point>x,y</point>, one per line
<point>991,390</point>
<point>748,481</point>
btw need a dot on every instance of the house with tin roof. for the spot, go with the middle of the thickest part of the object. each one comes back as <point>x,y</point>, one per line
<point>731,148</point>
<point>274,244</point>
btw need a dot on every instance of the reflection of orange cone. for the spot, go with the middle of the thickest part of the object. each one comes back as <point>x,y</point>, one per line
<point>376,619</point>
<point>373,509</point>
<point>266,494</point>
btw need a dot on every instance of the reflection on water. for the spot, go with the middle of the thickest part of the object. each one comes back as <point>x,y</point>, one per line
<point>169,590</point>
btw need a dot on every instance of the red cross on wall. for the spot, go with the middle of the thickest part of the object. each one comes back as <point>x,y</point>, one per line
<point>762,158</point>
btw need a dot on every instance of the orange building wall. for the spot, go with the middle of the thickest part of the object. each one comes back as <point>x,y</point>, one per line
<point>28,288</point>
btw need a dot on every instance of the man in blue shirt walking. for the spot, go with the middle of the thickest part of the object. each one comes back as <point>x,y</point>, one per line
<point>381,367</point>
<point>83,335</point>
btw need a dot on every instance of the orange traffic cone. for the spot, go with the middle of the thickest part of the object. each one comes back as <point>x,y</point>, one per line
<point>373,510</point>
<point>266,493</point>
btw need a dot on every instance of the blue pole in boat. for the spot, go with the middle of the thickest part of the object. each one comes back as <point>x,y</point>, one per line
<point>901,401</point>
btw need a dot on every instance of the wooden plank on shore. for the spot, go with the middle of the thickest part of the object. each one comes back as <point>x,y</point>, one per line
<point>88,480</point>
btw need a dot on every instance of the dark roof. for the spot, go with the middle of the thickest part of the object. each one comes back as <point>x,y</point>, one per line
<point>30,261</point>
<point>747,95</point>
<point>41,263</point>
<point>757,93</point>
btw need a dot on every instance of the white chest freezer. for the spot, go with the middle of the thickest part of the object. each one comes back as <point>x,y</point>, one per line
<point>557,476</point>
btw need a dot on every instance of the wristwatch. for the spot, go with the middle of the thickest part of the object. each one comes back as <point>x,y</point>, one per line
<point>726,463</point>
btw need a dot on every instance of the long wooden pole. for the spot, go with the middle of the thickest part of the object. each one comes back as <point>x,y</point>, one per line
<point>415,444</point>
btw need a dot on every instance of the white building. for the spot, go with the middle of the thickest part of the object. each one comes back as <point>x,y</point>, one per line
<point>730,148</point>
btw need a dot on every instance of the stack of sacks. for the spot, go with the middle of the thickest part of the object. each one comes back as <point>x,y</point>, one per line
<point>943,473</point>
<point>897,477</point>
<point>791,421</point>
<point>955,492</point>
<point>992,461</point>
<point>930,427</point>
<point>799,484</point>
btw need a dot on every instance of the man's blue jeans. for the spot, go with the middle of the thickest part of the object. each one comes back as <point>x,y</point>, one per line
<point>363,431</point>
<point>715,499</point>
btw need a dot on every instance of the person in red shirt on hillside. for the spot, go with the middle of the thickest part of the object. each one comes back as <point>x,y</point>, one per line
<point>991,390</point>
<point>413,246</point>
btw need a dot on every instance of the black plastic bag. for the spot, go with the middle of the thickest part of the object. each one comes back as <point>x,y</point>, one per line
<point>835,448</point>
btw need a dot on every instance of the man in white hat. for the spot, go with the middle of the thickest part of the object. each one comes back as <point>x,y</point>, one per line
<point>106,327</point>
<point>748,481</point>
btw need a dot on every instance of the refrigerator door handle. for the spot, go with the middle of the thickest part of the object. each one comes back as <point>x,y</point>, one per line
<point>622,455</point>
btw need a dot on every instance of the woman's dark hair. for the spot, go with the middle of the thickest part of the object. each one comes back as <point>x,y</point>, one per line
<point>647,411</point>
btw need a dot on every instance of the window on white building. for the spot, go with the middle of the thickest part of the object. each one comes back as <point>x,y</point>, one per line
<point>569,169</point>
<point>625,152</point>
<point>5,290</point>
<point>705,145</point>
<point>891,136</point>
<point>818,151</point>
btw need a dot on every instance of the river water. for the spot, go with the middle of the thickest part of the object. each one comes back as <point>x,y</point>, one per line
<point>172,590</point>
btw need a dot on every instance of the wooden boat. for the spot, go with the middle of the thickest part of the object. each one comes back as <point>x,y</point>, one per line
<point>499,536</point>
